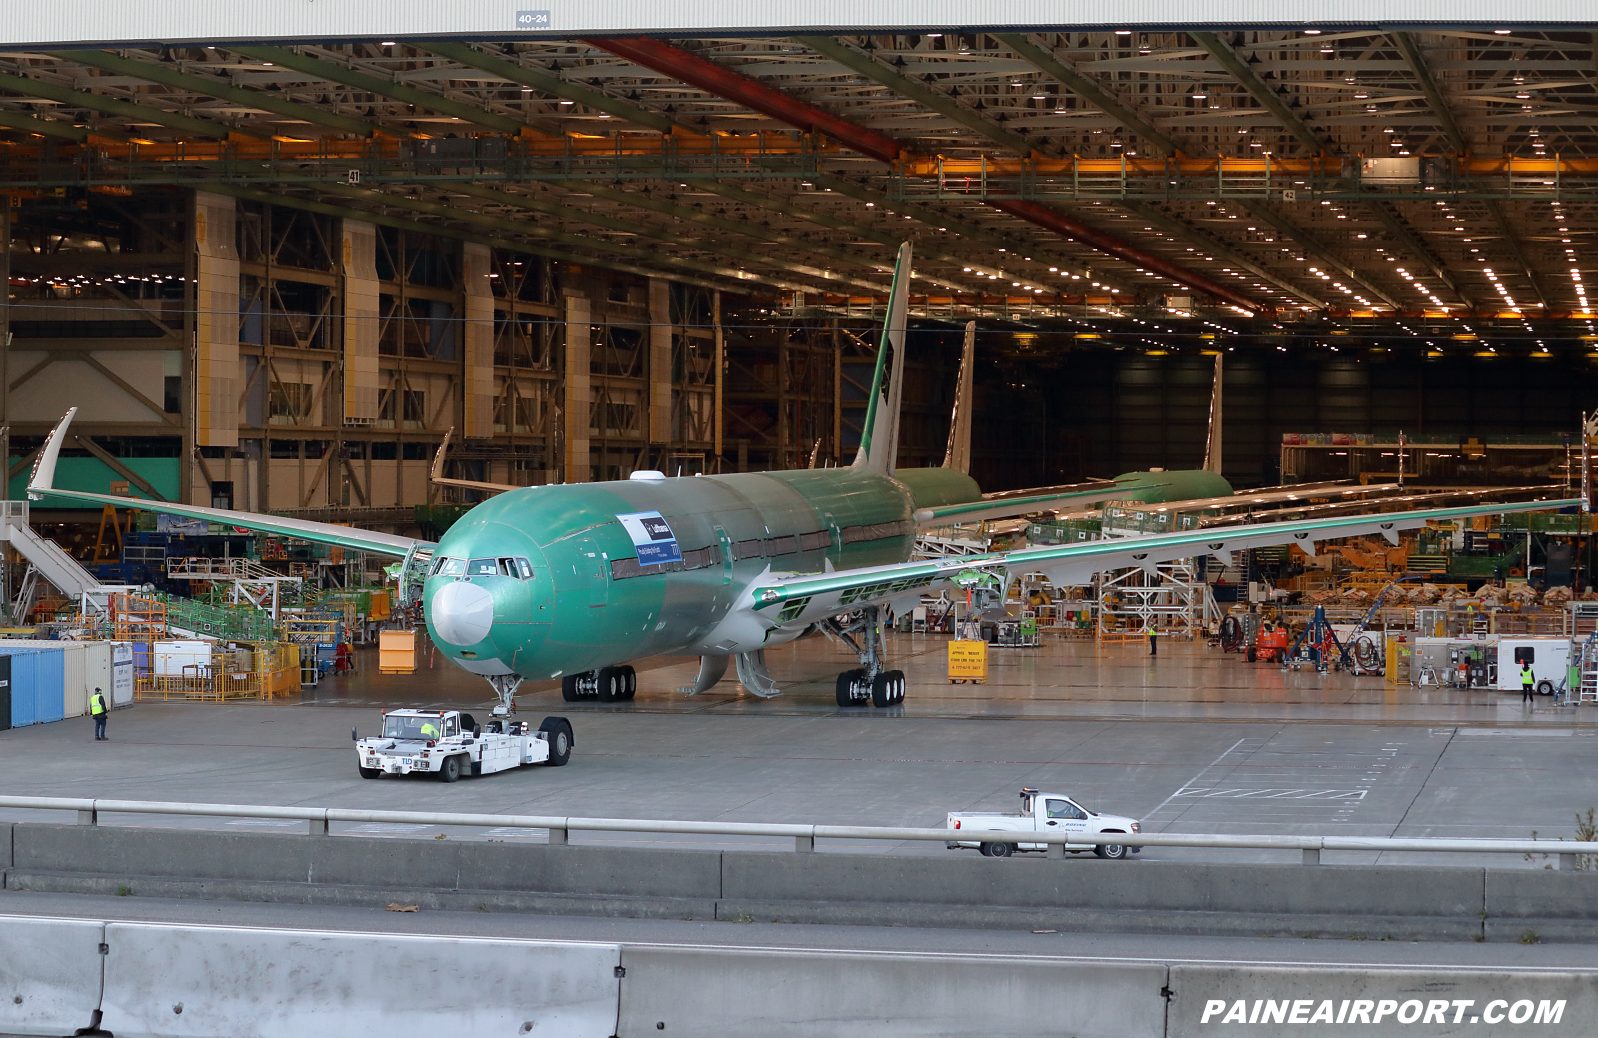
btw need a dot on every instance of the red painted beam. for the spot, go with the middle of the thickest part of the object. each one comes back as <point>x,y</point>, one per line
<point>1056,221</point>
<point>735,86</point>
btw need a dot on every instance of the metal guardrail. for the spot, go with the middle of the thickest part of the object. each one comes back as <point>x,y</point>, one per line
<point>318,820</point>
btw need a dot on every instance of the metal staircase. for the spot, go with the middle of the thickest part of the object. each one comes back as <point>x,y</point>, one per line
<point>47,560</point>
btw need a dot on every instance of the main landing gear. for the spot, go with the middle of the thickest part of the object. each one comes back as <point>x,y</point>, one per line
<point>869,683</point>
<point>607,684</point>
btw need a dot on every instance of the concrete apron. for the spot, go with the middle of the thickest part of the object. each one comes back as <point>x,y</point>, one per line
<point>142,980</point>
<point>1190,898</point>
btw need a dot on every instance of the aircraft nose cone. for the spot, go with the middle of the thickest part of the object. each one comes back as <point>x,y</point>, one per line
<point>461,612</point>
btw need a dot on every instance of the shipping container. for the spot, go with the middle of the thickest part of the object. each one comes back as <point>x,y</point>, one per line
<point>35,682</point>
<point>87,666</point>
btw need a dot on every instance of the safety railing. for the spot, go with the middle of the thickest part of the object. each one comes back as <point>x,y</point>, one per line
<point>319,819</point>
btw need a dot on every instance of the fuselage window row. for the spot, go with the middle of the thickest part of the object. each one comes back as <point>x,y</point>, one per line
<point>754,548</point>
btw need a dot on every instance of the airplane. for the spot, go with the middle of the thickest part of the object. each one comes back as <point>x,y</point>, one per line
<point>571,581</point>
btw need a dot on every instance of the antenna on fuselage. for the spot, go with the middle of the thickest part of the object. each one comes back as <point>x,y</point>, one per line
<point>879,436</point>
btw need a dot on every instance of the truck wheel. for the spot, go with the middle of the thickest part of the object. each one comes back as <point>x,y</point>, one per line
<point>1248,654</point>
<point>369,772</point>
<point>1110,851</point>
<point>568,688</point>
<point>558,733</point>
<point>450,769</point>
<point>998,850</point>
<point>1545,688</point>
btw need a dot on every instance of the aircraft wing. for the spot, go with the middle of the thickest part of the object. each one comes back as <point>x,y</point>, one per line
<point>806,598</point>
<point>1001,506</point>
<point>41,484</point>
<point>436,474</point>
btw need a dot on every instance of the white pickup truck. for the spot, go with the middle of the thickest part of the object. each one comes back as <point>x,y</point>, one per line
<point>1040,812</point>
<point>449,744</point>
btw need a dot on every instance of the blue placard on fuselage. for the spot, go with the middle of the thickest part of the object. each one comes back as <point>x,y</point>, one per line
<point>652,537</point>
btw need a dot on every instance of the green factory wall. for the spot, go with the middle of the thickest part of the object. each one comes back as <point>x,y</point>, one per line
<point>95,476</point>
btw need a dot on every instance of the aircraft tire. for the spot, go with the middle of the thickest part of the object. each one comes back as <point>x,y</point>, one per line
<point>846,686</point>
<point>612,685</point>
<point>632,684</point>
<point>568,688</point>
<point>899,684</point>
<point>882,688</point>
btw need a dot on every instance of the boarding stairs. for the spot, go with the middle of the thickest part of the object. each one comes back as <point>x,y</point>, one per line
<point>1587,670</point>
<point>48,561</point>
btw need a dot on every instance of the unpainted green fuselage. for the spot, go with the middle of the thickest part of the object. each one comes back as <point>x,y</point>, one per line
<point>589,603</point>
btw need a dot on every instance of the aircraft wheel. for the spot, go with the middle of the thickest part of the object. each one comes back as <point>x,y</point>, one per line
<point>882,689</point>
<point>612,685</point>
<point>899,685</point>
<point>632,683</point>
<point>568,688</point>
<point>847,681</point>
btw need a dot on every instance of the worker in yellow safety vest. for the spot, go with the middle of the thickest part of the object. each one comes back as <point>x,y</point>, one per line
<point>1527,681</point>
<point>98,710</point>
<point>429,731</point>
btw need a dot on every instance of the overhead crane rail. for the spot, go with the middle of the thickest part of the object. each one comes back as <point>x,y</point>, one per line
<point>106,164</point>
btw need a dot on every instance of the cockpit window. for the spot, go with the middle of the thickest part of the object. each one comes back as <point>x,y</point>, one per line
<point>525,568</point>
<point>446,567</point>
<point>482,568</point>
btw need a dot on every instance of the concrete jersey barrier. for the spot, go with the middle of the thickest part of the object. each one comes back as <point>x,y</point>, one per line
<point>143,980</point>
<point>49,974</point>
<point>1244,899</point>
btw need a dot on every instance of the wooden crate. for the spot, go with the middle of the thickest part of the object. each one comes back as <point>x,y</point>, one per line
<point>396,652</point>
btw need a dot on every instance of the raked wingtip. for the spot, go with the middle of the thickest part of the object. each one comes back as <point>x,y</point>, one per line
<point>42,479</point>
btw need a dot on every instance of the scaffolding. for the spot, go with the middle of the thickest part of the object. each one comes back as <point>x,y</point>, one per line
<point>1169,599</point>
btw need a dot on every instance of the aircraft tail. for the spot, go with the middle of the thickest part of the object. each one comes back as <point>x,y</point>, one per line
<point>958,456</point>
<point>879,436</point>
<point>1212,446</point>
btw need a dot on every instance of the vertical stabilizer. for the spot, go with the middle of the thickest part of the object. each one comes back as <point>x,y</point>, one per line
<point>958,456</point>
<point>879,436</point>
<point>1212,446</point>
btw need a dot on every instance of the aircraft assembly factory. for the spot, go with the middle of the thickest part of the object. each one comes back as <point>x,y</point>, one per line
<point>769,520</point>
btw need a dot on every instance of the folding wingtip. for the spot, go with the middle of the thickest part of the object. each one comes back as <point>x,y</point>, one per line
<point>42,479</point>
<point>437,472</point>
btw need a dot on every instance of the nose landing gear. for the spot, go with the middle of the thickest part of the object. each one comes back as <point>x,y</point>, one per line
<point>607,684</point>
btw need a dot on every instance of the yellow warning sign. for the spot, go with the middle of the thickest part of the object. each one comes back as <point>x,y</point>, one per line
<point>968,660</point>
